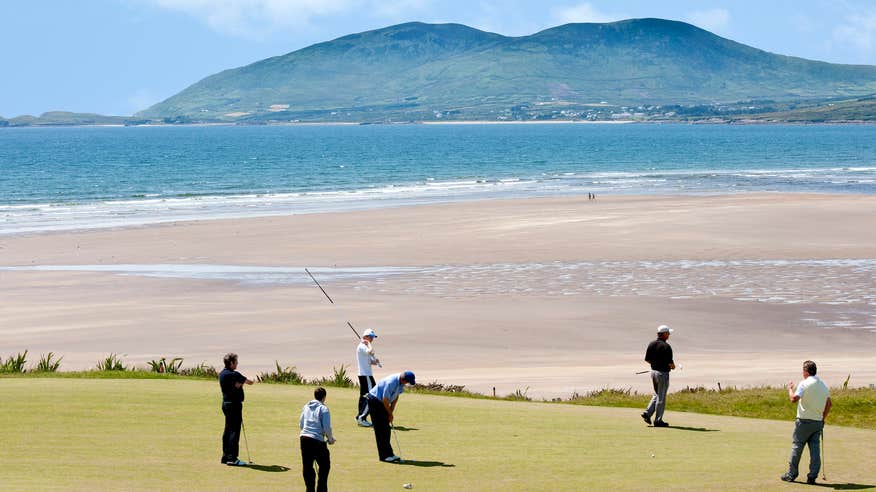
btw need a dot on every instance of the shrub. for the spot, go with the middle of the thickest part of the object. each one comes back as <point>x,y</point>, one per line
<point>14,363</point>
<point>48,363</point>
<point>200,371</point>
<point>286,375</point>
<point>338,379</point>
<point>519,395</point>
<point>111,363</point>
<point>162,366</point>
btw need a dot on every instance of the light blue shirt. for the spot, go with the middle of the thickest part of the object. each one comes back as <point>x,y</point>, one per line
<point>316,421</point>
<point>389,388</point>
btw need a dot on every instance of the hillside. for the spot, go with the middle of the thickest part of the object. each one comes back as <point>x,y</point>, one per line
<point>419,71</point>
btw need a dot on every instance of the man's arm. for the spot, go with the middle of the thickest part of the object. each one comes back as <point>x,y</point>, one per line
<point>246,380</point>
<point>826,409</point>
<point>327,426</point>
<point>791,395</point>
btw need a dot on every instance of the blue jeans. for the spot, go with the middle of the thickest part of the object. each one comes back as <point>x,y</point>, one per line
<point>806,432</point>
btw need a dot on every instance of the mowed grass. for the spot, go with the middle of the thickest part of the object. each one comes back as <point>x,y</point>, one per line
<point>164,434</point>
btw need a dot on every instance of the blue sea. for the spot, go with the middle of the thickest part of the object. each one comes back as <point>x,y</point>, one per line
<point>91,177</point>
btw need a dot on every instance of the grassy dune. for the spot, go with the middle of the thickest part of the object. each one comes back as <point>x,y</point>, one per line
<point>164,434</point>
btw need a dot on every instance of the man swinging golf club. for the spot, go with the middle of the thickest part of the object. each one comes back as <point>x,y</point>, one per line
<point>659,356</point>
<point>232,383</point>
<point>365,358</point>
<point>381,401</point>
<point>813,404</point>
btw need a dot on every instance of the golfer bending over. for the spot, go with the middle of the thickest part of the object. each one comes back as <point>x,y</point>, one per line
<point>813,404</point>
<point>659,355</point>
<point>381,401</point>
<point>232,383</point>
<point>316,430</point>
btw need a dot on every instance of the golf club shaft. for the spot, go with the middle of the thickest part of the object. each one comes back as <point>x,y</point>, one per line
<point>331,301</point>
<point>246,441</point>
<point>642,372</point>
<point>823,455</point>
<point>397,445</point>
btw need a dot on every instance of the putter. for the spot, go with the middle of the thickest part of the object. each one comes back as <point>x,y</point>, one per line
<point>397,445</point>
<point>642,372</point>
<point>246,442</point>
<point>823,461</point>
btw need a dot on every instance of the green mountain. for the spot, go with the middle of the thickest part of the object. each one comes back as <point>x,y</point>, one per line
<point>419,71</point>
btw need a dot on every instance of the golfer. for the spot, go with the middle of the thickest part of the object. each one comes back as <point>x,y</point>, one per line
<point>813,404</point>
<point>382,400</point>
<point>365,359</point>
<point>659,356</point>
<point>316,430</point>
<point>232,383</point>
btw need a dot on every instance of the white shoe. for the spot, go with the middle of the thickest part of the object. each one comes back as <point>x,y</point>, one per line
<point>364,423</point>
<point>392,459</point>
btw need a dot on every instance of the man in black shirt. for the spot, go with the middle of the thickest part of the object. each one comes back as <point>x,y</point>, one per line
<point>659,356</point>
<point>232,383</point>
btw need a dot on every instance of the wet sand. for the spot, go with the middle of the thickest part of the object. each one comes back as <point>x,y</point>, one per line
<point>555,295</point>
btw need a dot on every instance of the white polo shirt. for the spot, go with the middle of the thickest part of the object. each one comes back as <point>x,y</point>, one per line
<point>363,357</point>
<point>813,395</point>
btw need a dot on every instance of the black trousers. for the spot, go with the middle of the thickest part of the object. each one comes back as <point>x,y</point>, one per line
<point>382,431</point>
<point>365,385</point>
<point>315,450</point>
<point>231,436</point>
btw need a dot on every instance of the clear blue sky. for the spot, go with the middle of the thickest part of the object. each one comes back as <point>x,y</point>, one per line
<point>120,56</point>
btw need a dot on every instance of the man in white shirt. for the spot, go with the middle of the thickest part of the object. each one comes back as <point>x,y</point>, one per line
<point>813,404</point>
<point>365,359</point>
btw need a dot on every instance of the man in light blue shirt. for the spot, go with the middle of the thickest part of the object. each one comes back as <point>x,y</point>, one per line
<point>316,430</point>
<point>813,404</point>
<point>381,404</point>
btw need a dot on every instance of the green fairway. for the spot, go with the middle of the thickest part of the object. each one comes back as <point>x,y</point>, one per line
<point>138,434</point>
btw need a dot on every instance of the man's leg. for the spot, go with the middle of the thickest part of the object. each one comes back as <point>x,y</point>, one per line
<point>382,431</point>
<point>652,405</point>
<point>798,440</point>
<point>814,443</point>
<point>233,419</point>
<point>231,435</point>
<point>323,459</point>
<point>661,386</point>
<point>365,385</point>
<point>307,457</point>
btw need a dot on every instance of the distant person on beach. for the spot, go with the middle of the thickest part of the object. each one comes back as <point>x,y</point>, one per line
<point>659,356</point>
<point>813,404</point>
<point>232,383</point>
<point>316,431</point>
<point>382,400</point>
<point>365,359</point>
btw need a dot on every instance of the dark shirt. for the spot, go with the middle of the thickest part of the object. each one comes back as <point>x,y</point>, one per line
<point>227,380</point>
<point>659,354</point>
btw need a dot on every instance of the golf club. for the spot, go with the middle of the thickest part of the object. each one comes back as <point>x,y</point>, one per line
<point>642,372</point>
<point>333,303</point>
<point>397,445</point>
<point>823,461</point>
<point>246,442</point>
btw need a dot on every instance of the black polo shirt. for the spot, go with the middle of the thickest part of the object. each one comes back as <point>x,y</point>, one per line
<point>659,354</point>
<point>227,380</point>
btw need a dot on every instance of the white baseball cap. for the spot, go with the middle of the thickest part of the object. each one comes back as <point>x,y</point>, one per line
<point>664,329</point>
<point>369,333</point>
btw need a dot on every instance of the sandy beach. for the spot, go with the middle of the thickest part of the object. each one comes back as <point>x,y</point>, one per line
<point>556,295</point>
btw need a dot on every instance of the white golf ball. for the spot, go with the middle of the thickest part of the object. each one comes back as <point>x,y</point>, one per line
<point>652,455</point>
<point>408,486</point>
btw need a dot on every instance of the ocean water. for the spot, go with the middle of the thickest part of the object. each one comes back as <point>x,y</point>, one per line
<point>90,177</point>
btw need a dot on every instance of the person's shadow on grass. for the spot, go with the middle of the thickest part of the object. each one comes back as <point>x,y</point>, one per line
<point>695,429</point>
<point>426,464</point>
<point>268,468</point>
<point>844,486</point>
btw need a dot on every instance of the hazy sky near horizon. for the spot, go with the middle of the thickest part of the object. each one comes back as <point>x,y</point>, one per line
<point>120,56</point>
